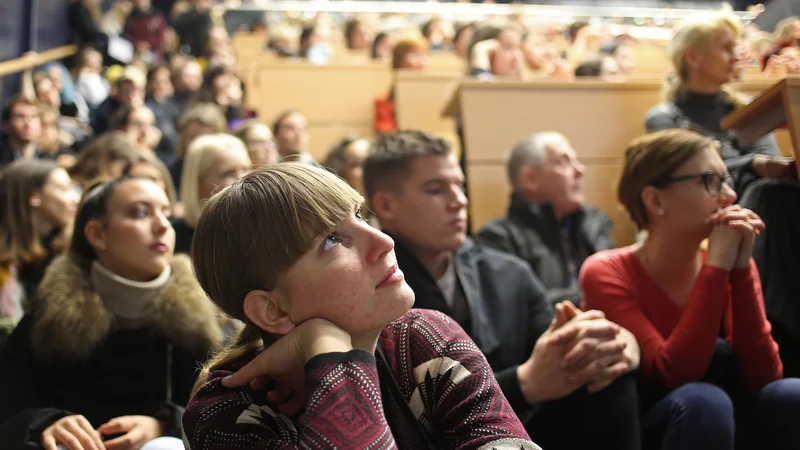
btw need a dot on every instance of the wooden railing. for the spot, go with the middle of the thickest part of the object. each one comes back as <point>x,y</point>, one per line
<point>13,66</point>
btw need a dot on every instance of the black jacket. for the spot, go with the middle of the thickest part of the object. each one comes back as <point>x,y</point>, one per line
<point>531,232</point>
<point>192,28</point>
<point>84,30</point>
<point>67,356</point>
<point>702,113</point>
<point>508,310</point>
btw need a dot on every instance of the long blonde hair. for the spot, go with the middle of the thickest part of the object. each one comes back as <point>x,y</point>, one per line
<point>251,233</point>
<point>696,32</point>
<point>199,160</point>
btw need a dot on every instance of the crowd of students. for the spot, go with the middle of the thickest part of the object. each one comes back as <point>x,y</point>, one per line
<point>152,225</point>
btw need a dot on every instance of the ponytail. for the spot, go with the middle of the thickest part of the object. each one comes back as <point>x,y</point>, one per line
<point>249,338</point>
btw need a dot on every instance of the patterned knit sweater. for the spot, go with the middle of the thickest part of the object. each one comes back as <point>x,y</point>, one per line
<point>444,378</point>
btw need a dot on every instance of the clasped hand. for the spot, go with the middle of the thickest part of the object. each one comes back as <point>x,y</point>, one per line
<point>730,244</point>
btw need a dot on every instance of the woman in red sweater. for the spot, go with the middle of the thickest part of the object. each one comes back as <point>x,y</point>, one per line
<point>699,316</point>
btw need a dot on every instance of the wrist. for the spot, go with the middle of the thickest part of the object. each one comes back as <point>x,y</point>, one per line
<point>329,343</point>
<point>529,389</point>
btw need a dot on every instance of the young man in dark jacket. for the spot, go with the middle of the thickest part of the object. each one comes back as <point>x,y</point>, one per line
<point>414,185</point>
<point>548,224</point>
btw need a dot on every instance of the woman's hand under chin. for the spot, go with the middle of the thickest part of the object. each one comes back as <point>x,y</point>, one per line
<point>284,361</point>
<point>733,237</point>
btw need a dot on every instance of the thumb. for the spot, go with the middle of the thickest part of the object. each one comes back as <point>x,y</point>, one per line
<point>274,360</point>
<point>116,426</point>
<point>570,310</point>
<point>560,318</point>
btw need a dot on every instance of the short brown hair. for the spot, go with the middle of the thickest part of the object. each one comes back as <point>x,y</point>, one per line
<point>652,158</point>
<point>389,163</point>
<point>207,114</point>
<point>404,47</point>
<point>13,102</point>
<point>95,159</point>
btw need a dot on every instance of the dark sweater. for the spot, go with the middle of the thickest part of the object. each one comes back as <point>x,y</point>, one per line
<point>183,236</point>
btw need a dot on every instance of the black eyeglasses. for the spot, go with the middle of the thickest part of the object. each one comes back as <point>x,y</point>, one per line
<point>712,180</point>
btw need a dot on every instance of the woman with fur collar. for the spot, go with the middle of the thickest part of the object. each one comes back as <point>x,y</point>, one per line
<point>107,355</point>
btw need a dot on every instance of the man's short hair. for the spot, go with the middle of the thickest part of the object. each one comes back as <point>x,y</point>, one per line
<point>206,114</point>
<point>389,163</point>
<point>13,102</point>
<point>532,151</point>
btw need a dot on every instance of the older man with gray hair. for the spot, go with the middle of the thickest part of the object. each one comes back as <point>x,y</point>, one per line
<point>548,224</point>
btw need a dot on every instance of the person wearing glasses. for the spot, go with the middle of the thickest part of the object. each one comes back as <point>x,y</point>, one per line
<point>703,55</point>
<point>697,314</point>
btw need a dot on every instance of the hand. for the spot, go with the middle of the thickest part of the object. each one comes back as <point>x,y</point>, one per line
<point>776,167</point>
<point>544,376</point>
<point>598,351</point>
<point>744,222</point>
<point>74,433</point>
<point>284,360</point>
<point>138,430</point>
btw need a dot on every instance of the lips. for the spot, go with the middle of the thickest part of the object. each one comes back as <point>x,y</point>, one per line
<point>160,247</point>
<point>393,276</point>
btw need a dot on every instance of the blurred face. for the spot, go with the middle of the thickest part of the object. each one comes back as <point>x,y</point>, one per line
<point>191,77</point>
<point>559,179</point>
<point>383,50</point>
<point>355,155</point>
<point>718,63</point>
<point>141,126</point>
<point>24,123</point>
<point>136,239</point>
<point>55,75</point>
<point>292,135</point>
<point>349,277</point>
<point>48,138</point>
<point>261,146</point>
<point>57,201</point>
<point>430,213</point>
<point>161,85</point>
<point>624,59</point>
<point>149,171</point>
<point>687,203</point>
<point>360,37</point>
<point>610,71</point>
<point>224,171</point>
<point>93,62</point>
<point>130,94</point>
<point>416,59</point>
<point>192,131</point>
<point>47,93</point>
<point>461,45</point>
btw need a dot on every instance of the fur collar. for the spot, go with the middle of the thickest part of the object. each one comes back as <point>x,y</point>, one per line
<point>71,321</point>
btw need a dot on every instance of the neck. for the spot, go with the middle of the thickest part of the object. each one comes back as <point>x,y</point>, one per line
<point>559,213</point>
<point>702,86</point>
<point>436,262</point>
<point>129,300</point>
<point>24,148</point>
<point>668,257</point>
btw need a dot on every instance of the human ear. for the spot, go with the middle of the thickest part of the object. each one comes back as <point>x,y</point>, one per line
<point>95,235</point>
<point>264,309</point>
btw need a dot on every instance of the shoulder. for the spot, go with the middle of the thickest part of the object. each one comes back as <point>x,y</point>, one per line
<point>614,265</point>
<point>217,415</point>
<point>424,334</point>
<point>608,260</point>
<point>660,116</point>
<point>494,260</point>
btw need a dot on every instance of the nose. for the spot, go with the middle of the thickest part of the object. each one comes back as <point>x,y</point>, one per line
<point>459,198</point>
<point>580,169</point>
<point>380,243</point>
<point>727,196</point>
<point>160,223</point>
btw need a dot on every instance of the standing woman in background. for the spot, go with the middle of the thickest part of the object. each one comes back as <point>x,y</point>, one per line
<point>704,58</point>
<point>37,206</point>
<point>108,351</point>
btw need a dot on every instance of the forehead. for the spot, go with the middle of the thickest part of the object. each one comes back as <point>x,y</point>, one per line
<point>707,159</point>
<point>426,168</point>
<point>559,147</point>
<point>24,108</point>
<point>145,191</point>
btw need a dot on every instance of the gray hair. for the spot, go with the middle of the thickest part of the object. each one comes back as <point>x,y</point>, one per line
<point>532,151</point>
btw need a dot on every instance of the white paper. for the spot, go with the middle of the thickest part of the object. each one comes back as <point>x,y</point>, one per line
<point>120,49</point>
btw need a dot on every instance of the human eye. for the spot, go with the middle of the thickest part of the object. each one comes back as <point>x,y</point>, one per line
<point>359,215</point>
<point>138,212</point>
<point>330,241</point>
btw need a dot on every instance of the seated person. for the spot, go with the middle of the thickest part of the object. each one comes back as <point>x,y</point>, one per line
<point>109,349</point>
<point>291,133</point>
<point>213,162</point>
<point>678,300</point>
<point>346,159</point>
<point>327,321</point>
<point>703,52</point>
<point>407,55</point>
<point>414,185</point>
<point>260,143</point>
<point>22,125</point>
<point>603,67</point>
<point>199,120</point>
<point>129,90</point>
<point>548,224</point>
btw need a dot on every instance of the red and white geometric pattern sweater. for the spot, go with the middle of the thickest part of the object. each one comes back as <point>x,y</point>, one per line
<point>441,374</point>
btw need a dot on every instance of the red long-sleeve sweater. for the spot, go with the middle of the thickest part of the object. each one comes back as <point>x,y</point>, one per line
<point>678,344</point>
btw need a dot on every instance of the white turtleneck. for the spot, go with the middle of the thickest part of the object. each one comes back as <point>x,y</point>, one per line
<point>129,300</point>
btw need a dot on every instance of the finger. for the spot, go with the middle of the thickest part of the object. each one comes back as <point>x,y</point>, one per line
<point>127,441</point>
<point>597,386</point>
<point>602,330</point>
<point>560,318</point>
<point>570,310</point>
<point>259,383</point>
<point>83,437</point>
<point>615,370</point>
<point>580,351</point>
<point>48,442</point>
<point>563,335</point>
<point>66,439</point>
<point>87,427</point>
<point>599,368</point>
<point>115,426</point>
<point>590,315</point>
<point>294,405</point>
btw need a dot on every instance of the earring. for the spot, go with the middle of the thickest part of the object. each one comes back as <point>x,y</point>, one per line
<point>660,212</point>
